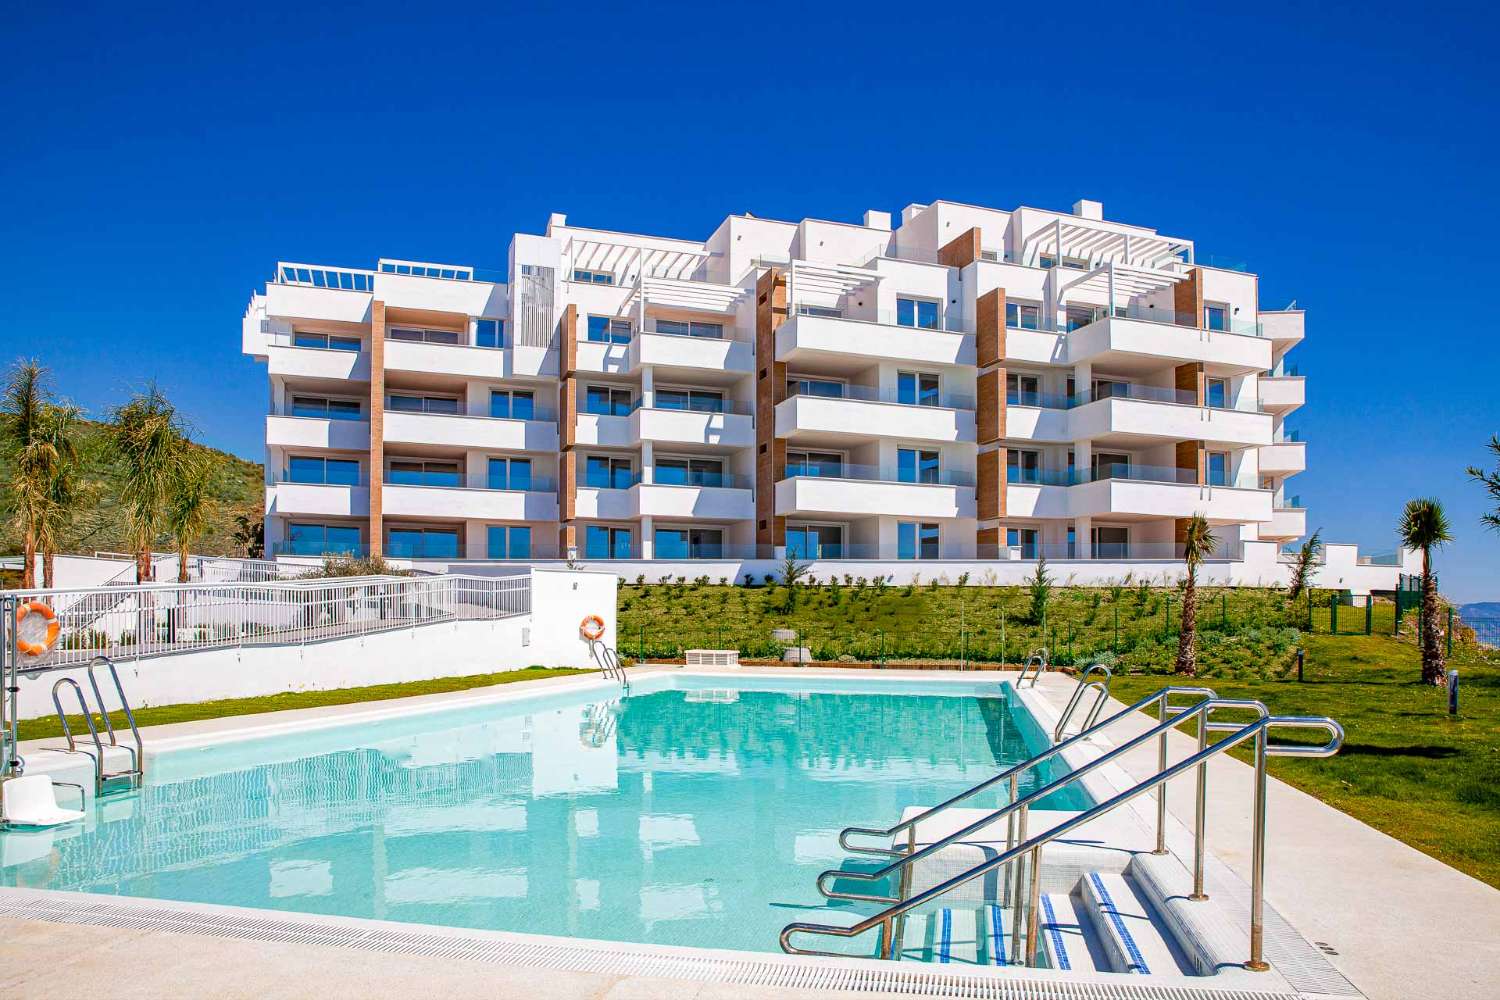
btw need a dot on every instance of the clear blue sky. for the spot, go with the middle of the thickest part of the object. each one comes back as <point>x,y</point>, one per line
<point>156,162</point>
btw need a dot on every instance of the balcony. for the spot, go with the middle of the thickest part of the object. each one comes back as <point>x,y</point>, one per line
<point>1286,523</point>
<point>1282,393</point>
<point>698,354</point>
<point>694,427</point>
<point>317,432</point>
<point>314,292</point>
<point>467,431</point>
<point>315,363</point>
<point>863,413</point>
<point>1129,344</point>
<point>1283,326</point>
<point>1147,413</point>
<point>869,490</point>
<point>1283,458</point>
<point>455,502</point>
<point>1144,498</point>
<point>602,430</point>
<point>807,339</point>
<point>448,359</point>
<point>729,502</point>
<point>319,499</point>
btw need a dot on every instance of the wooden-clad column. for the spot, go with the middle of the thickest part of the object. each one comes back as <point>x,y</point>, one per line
<point>961,251</point>
<point>990,415</point>
<point>567,430</point>
<point>770,389</point>
<point>1187,299</point>
<point>377,427</point>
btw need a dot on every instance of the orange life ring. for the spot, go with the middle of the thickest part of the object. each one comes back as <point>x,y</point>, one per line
<point>591,628</point>
<point>44,640</point>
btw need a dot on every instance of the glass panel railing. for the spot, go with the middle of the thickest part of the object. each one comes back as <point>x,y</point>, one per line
<point>881,474</point>
<point>875,394</point>
<point>318,547</point>
<point>522,484</point>
<point>1107,551</point>
<point>695,404</point>
<point>887,317</point>
<point>666,475</point>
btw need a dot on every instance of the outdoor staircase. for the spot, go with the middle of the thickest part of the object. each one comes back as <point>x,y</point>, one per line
<point>1103,925</point>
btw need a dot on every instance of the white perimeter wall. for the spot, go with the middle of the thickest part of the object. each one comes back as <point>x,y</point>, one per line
<point>548,637</point>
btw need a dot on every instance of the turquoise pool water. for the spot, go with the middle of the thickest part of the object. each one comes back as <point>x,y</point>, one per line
<point>685,814</point>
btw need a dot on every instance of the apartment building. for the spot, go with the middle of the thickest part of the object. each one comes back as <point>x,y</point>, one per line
<point>966,384</point>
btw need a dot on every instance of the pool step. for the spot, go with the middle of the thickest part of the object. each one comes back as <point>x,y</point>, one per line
<point>959,935</point>
<point>1132,941</point>
<point>1067,938</point>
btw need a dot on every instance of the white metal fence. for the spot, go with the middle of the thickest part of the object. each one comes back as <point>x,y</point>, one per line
<point>150,620</point>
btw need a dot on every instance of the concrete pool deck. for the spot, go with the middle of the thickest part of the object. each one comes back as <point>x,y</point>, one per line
<point>1397,923</point>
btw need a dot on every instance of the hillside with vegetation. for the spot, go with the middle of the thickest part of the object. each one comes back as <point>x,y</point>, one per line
<point>235,485</point>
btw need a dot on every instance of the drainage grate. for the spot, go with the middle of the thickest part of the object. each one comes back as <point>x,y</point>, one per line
<point>852,977</point>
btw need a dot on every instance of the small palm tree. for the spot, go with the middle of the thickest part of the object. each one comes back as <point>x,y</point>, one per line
<point>792,572</point>
<point>36,435</point>
<point>190,509</point>
<point>1491,483</point>
<point>1040,587</point>
<point>1307,557</point>
<point>1424,525</point>
<point>249,535</point>
<point>64,488</point>
<point>1198,543</point>
<point>150,443</point>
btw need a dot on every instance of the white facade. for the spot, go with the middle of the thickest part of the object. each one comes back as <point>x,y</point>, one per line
<point>969,384</point>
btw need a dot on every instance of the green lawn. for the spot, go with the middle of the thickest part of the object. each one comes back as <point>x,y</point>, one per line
<point>1407,768</point>
<point>32,729</point>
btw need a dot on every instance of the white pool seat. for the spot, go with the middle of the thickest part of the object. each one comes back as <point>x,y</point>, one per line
<point>30,801</point>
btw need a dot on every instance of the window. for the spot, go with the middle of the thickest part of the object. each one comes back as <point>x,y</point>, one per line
<point>916,541</point>
<point>826,312</point>
<point>1023,539</point>
<point>1023,466</point>
<point>1110,541</point>
<point>1109,465</point>
<point>815,541</point>
<point>325,341</point>
<point>916,466</point>
<point>509,474</point>
<point>426,270</point>
<point>423,543</point>
<point>814,463</point>
<point>689,472</point>
<point>701,400</point>
<point>489,333</point>
<point>327,471</point>
<point>415,403</point>
<point>605,330</point>
<point>329,409</point>
<point>688,543</point>
<point>603,542</point>
<point>1072,542</point>
<point>1217,394</point>
<point>1022,390</point>
<point>1218,468</point>
<point>1215,316</point>
<point>1080,316</point>
<point>508,541</point>
<point>601,472</point>
<point>1023,315</point>
<point>321,539</point>
<point>1109,389</point>
<point>690,328</point>
<point>606,402</point>
<point>827,388</point>
<point>416,472</point>
<point>593,277</point>
<point>921,313</point>
<point>512,404</point>
<point>917,389</point>
<point>1077,263</point>
<point>416,335</point>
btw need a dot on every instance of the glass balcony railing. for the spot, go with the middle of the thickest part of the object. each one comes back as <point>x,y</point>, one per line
<point>875,394</point>
<point>672,476</point>
<point>1116,390</point>
<point>880,474</point>
<point>317,547</point>
<point>1100,551</point>
<point>1075,477</point>
<point>916,321</point>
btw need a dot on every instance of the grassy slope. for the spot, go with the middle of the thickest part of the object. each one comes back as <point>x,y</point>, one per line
<point>238,486</point>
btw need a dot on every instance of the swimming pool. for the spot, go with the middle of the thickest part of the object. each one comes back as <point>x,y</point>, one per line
<point>698,811</point>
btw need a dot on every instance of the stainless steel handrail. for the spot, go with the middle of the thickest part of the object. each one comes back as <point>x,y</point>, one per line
<point>88,718</point>
<point>1036,658</point>
<point>1013,773</point>
<point>609,663</point>
<point>1258,730</point>
<point>1199,711</point>
<point>1102,695</point>
<point>137,755</point>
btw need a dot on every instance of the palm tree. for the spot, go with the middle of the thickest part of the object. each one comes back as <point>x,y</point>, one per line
<point>1424,525</point>
<point>37,438</point>
<point>1307,556</point>
<point>1491,483</point>
<point>190,509</point>
<point>249,535</point>
<point>1198,543</point>
<point>150,442</point>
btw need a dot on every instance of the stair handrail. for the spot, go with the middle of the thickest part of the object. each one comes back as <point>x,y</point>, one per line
<point>1200,711</point>
<point>88,718</point>
<point>609,663</point>
<point>1160,698</point>
<point>1036,658</point>
<point>138,754</point>
<point>1101,689</point>
<point>1258,730</point>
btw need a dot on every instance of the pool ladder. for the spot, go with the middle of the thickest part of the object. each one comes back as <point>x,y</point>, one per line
<point>104,781</point>
<point>609,663</point>
<point>1101,695</point>
<point>1033,669</point>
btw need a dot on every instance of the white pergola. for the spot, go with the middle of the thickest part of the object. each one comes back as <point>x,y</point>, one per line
<point>1119,281</point>
<point>1101,245</point>
<point>825,284</point>
<point>629,262</point>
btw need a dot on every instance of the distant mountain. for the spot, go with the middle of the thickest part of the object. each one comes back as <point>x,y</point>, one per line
<point>238,485</point>
<point>1480,609</point>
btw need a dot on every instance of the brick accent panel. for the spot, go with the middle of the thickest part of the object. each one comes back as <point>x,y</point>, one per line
<point>989,492</point>
<point>1190,378</point>
<point>567,412</point>
<point>1187,299</point>
<point>989,405</point>
<point>987,541</point>
<point>961,251</point>
<point>989,327</point>
<point>567,335</point>
<point>567,538</point>
<point>567,485</point>
<point>377,428</point>
<point>770,389</point>
<point>1191,455</point>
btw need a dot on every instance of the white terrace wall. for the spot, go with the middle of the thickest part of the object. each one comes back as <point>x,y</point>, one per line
<point>547,637</point>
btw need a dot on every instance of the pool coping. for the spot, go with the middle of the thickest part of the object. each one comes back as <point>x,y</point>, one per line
<point>690,963</point>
